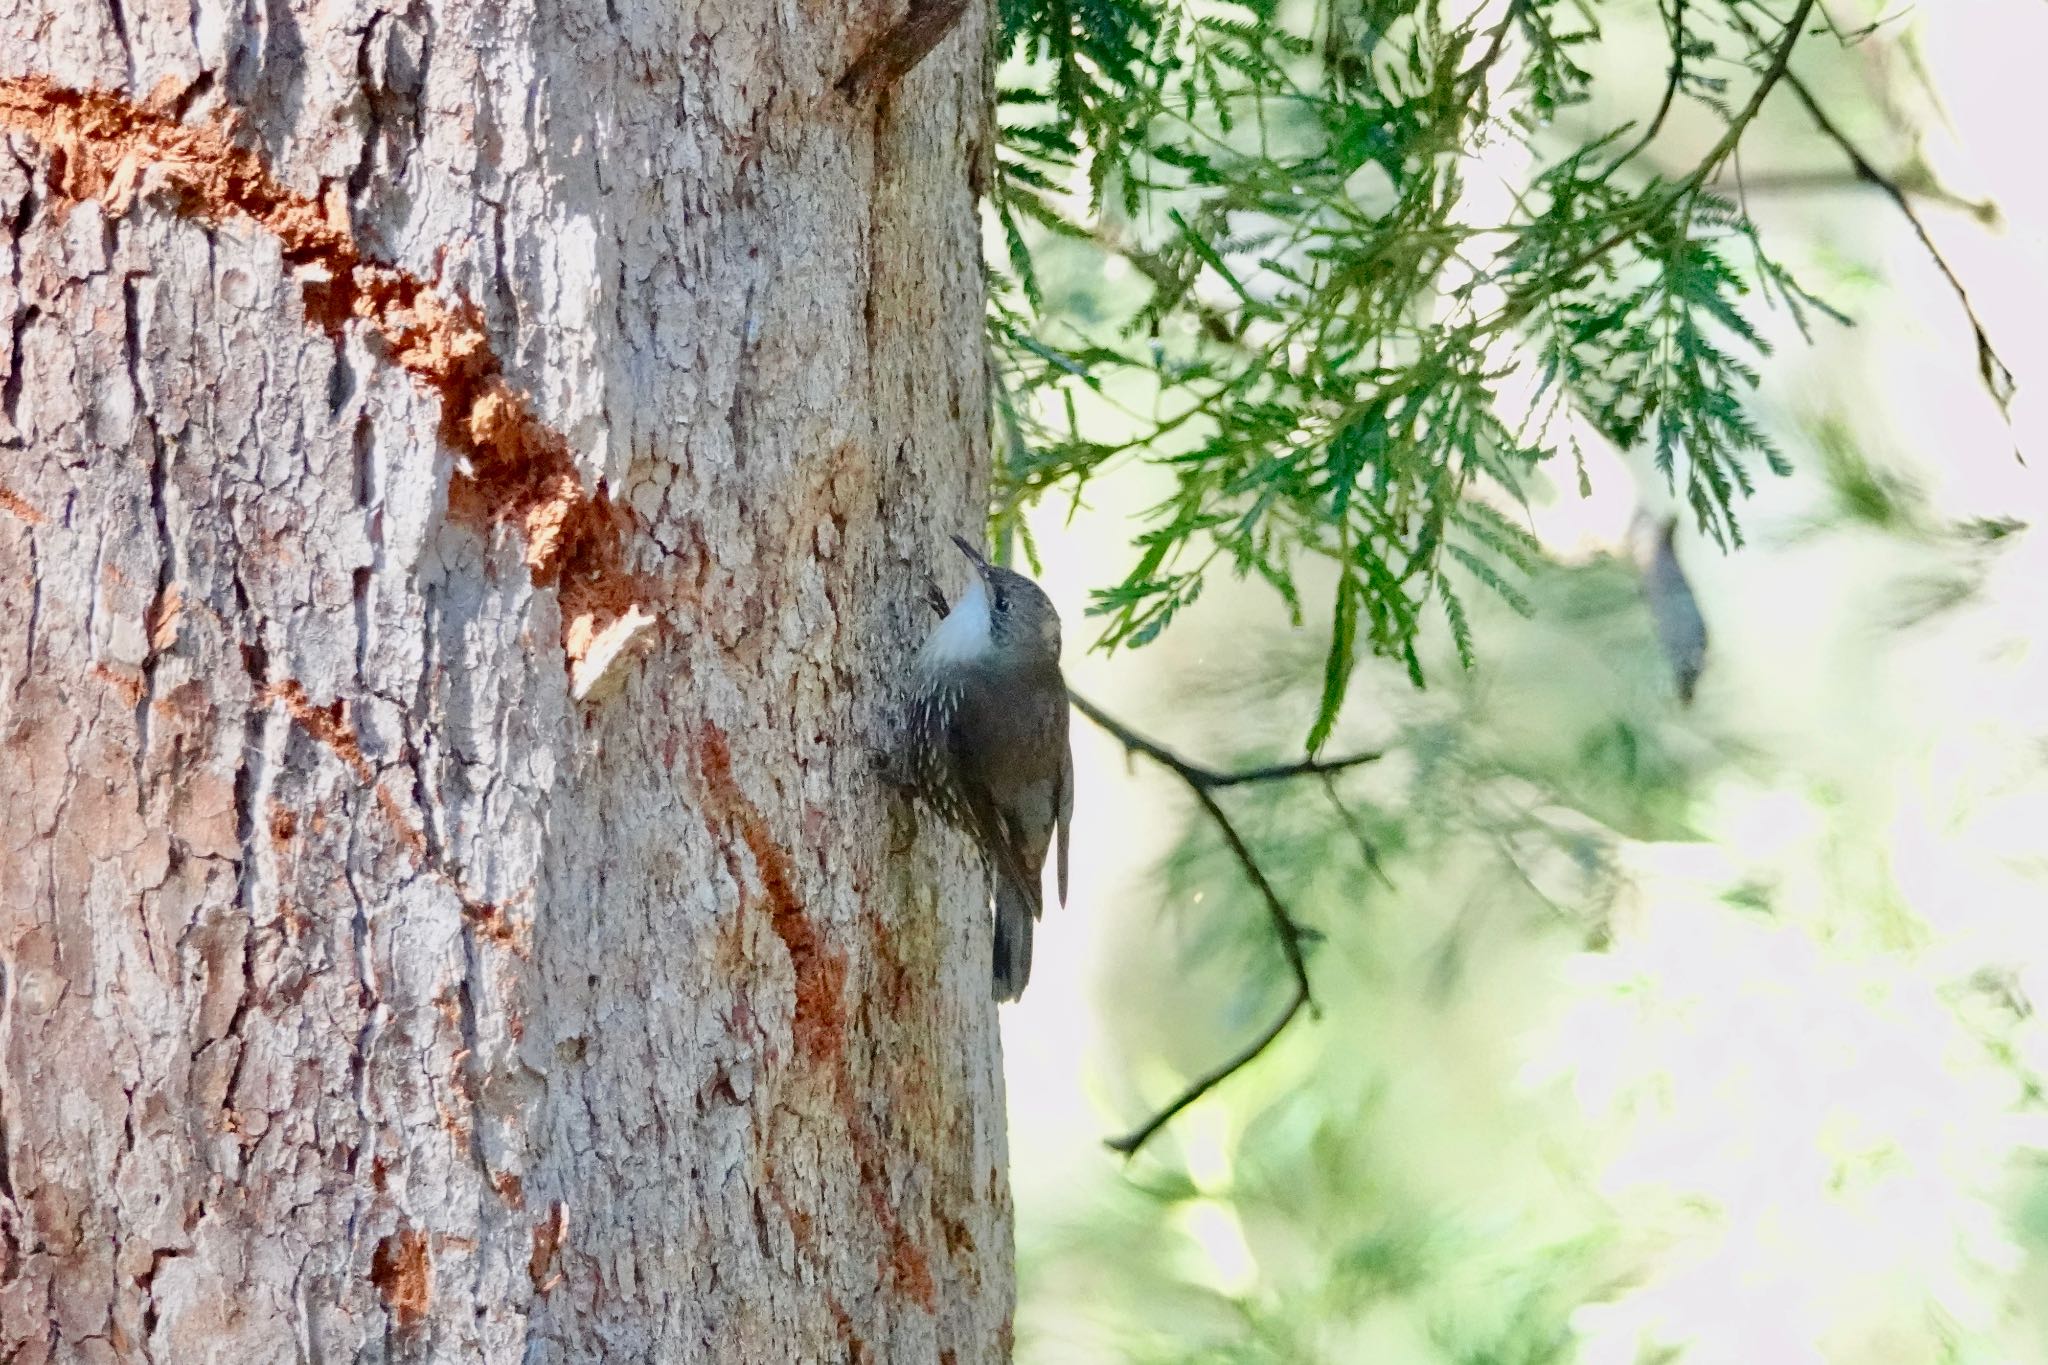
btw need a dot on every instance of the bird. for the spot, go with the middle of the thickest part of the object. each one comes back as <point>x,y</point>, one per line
<point>988,747</point>
<point>1681,630</point>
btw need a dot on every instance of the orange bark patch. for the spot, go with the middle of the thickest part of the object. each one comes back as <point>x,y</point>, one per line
<point>842,1325</point>
<point>494,924</point>
<point>12,502</point>
<point>549,1236</point>
<point>912,1271</point>
<point>128,684</point>
<point>104,146</point>
<point>327,724</point>
<point>330,727</point>
<point>452,1123</point>
<point>415,839</point>
<point>164,615</point>
<point>820,1023</point>
<point>404,1275</point>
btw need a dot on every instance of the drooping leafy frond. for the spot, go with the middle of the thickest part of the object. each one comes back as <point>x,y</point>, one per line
<point>1350,234</point>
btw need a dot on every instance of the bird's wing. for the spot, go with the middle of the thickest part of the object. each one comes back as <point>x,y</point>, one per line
<point>990,826</point>
<point>1063,803</point>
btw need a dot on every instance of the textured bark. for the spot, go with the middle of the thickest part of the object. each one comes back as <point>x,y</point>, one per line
<point>465,470</point>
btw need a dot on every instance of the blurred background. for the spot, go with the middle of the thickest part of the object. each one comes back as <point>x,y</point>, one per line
<point>1669,1033</point>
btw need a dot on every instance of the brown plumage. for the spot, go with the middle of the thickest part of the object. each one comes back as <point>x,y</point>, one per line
<point>988,744</point>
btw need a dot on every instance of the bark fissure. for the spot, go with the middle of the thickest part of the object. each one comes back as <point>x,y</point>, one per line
<point>365,1189</point>
<point>117,13</point>
<point>35,595</point>
<point>359,176</point>
<point>250,791</point>
<point>146,1282</point>
<point>341,380</point>
<point>17,369</point>
<point>97,587</point>
<point>166,546</point>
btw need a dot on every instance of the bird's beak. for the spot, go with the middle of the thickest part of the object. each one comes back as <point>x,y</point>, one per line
<point>974,556</point>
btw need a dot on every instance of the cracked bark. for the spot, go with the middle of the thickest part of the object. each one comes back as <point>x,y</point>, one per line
<point>365,995</point>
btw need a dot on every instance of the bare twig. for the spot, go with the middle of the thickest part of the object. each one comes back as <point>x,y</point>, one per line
<point>1674,77</point>
<point>1130,1142</point>
<point>1473,78</point>
<point>1204,783</point>
<point>1759,183</point>
<point>1781,61</point>
<point>1998,379</point>
<point>1280,772</point>
<point>1211,779</point>
<point>1367,852</point>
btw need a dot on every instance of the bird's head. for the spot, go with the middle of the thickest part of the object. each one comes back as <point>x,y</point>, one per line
<point>1002,618</point>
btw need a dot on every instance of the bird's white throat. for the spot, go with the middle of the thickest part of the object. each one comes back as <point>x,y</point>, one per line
<point>964,635</point>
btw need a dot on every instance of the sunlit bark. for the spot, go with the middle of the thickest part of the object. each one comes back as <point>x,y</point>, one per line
<point>464,473</point>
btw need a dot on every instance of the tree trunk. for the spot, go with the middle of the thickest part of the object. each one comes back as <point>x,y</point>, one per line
<point>465,475</point>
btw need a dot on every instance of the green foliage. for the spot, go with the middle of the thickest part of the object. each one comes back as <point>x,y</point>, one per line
<point>1626,993</point>
<point>1319,359</point>
<point>1624,1014</point>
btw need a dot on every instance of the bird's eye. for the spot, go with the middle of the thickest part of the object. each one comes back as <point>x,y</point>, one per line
<point>1002,602</point>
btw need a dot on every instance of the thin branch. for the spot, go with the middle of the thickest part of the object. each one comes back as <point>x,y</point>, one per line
<point>1473,78</point>
<point>1828,181</point>
<point>1673,78</point>
<point>1367,852</point>
<point>1997,376</point>
<point>1280,772</point>
<point>1212,779</point>
<point>1204,782</point>
<point>1285,927</point>
<point>1130,1142</point>
<point>1779,69</point>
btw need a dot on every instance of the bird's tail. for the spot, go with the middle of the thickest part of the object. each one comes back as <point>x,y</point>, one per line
<point>1016,911</point>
